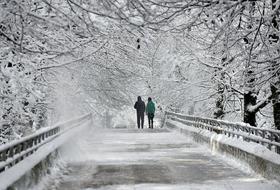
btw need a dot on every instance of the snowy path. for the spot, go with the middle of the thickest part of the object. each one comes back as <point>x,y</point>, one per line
<point>130,159</point>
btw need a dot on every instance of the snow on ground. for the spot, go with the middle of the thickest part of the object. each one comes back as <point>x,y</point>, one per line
<point>148,159</point>
<point>226,185</point>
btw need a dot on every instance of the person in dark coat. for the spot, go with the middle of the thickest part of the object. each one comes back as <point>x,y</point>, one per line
<point>140,109</point>
<point>150,110</point>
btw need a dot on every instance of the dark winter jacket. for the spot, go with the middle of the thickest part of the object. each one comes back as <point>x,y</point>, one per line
<point>150,107</point>
<point>140,106</point>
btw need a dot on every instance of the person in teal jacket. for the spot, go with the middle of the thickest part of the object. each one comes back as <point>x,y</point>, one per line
<point>150,111</point>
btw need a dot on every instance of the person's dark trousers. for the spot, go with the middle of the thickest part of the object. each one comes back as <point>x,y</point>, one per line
<point>140,120</point>
<point>150,119</point>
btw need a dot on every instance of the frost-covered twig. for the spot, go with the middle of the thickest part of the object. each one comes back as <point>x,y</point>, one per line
<point>73,61</point>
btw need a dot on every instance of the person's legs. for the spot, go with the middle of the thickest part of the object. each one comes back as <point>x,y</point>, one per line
<point>152,120</point>
<point>142,120</point>
<point>138,120</point>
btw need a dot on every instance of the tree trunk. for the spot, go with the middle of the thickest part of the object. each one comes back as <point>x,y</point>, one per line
<point>276,109</point>
<point>249,116</point>
<point>276,105</point>
<point>219,112</point>
<point>275,88</point>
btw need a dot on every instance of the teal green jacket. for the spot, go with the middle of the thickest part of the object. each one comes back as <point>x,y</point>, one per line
<point>150,108</point>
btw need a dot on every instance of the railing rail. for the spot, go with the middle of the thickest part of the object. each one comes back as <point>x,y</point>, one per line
<point>267,137</point>
<point>15,151</point>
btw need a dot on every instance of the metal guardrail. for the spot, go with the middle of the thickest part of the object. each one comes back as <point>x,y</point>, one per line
<point>15,151</point>
<point>267,137</point>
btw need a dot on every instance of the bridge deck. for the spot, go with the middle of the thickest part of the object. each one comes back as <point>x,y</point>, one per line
<point>151,159</point>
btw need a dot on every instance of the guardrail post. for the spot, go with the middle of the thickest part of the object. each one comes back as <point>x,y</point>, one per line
<point>10,152</point>
<point>164,119</point>
<point>278,149</point>
<point>2,156</point>
<point>263,134</point>
<point>269,146</point>
<point>277,139</point>
<point>2,169</point>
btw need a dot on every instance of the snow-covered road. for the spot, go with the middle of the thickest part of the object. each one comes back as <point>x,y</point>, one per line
<point>131,159</point>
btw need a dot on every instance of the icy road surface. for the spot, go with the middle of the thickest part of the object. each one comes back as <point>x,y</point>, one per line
<point>132,159</point>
